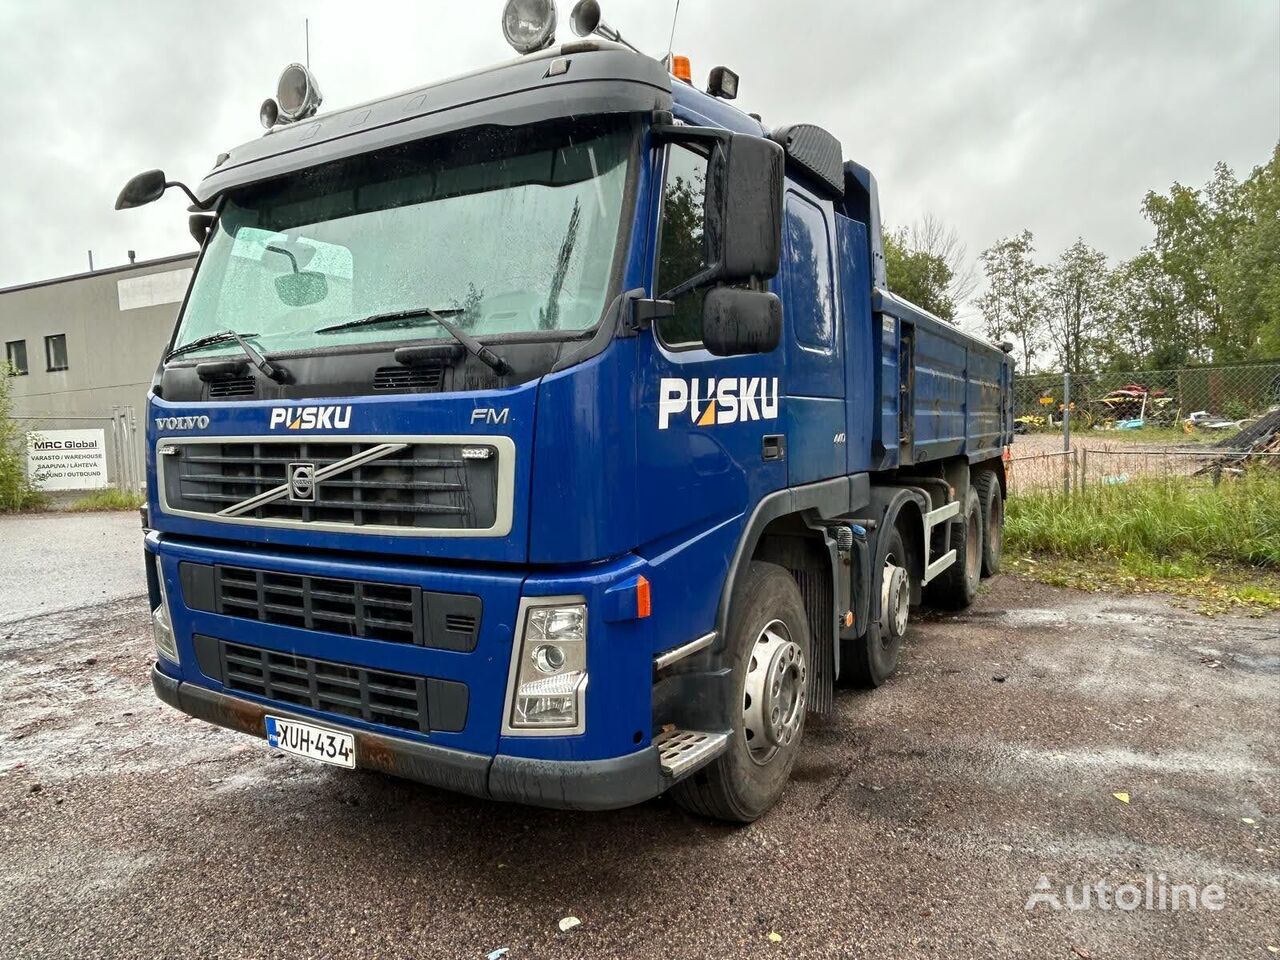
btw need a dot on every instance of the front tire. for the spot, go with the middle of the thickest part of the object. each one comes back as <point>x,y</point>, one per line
<point>767,650</point>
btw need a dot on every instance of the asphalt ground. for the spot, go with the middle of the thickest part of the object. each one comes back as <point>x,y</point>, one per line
<point>920,819</point>
<point>59,561</point>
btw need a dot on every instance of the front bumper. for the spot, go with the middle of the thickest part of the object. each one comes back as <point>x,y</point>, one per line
<point>562,784</point>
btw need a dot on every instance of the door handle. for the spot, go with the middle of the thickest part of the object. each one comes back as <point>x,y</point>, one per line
<point>774,447</point>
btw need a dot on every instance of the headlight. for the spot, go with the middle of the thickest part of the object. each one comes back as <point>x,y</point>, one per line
<point>162,623</point>
<point>549,668</point>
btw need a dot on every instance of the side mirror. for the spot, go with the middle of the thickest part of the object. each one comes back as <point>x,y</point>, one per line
<point>145,188</point>
<point>744,208</point>
<point>302,289</point>
<point>737,321</point>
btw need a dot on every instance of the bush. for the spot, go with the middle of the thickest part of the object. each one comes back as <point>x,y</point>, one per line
<point>16,492</point>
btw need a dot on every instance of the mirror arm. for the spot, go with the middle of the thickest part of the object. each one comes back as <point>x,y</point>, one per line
<point>185,189</point>
<point>701,279</point>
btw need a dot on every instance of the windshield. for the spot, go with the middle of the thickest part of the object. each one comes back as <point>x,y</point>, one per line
<point>506,231</point>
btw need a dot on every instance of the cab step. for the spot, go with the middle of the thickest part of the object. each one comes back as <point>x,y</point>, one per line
<point>682,751</point>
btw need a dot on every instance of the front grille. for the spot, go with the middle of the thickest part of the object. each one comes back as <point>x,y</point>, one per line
<point>390,612</point>
<point>399,484</point>
<point>428,377</point>
<point>421,704</point>
<point>227,388</point>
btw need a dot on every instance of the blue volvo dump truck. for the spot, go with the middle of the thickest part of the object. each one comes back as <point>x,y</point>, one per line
<point>550,434</point>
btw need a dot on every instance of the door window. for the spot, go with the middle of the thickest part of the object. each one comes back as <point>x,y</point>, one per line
<point>810,294</point>
<point>681,252</point>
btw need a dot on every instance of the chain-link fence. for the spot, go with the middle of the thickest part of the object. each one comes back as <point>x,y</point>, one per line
<point>1199,424</point>
<point>1194,398</point>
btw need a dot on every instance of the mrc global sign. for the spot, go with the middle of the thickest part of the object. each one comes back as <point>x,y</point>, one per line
<point>67,459</point>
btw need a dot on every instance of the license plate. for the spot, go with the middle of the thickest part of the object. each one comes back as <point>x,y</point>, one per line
<point>315,743</point>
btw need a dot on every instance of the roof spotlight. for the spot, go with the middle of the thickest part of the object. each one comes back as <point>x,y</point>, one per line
<point>297,94</point>
<point>269,112</point>
<point>529,25</point>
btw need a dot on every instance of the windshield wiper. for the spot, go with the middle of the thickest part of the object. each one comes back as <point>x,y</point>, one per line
<point>421,315</point>
<point>269,369</point>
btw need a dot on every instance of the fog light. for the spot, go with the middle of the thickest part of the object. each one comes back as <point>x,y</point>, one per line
<point>549,669</point>
<point>162,622</point>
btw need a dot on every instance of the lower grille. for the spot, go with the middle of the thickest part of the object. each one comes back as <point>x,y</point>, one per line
<point>376,611</point>
<point>391,612</point>
<point>420,704</point>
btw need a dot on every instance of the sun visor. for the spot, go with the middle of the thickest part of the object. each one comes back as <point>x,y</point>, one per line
<point>598,79</point>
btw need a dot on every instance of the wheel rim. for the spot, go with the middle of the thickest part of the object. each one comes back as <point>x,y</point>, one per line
<point>773,702</point>
<point>895,599</point>
<point>995,529</point>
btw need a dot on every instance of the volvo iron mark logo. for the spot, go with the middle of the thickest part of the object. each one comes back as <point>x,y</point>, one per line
<point>302,482</point>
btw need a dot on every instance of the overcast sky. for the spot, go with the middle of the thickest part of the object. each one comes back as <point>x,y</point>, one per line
<point>994,115</point>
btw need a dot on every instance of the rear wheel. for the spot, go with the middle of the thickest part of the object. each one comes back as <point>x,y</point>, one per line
<point>956,587</point>
<point>871,659</point>
<point>767,651</point>
<point>992,504</point>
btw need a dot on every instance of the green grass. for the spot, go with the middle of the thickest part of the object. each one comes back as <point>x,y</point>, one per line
<point>109,499</point>
<point>1165,436</point>
<point>1237,521</point>
<point>1220,544</point>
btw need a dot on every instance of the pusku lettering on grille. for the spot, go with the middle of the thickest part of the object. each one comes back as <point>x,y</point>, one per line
<point>328,417</point>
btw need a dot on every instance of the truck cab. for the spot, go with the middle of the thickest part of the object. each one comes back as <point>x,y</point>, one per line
<point>549,434</point>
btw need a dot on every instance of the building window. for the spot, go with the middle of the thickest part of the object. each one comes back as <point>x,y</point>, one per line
<point>15,352</point>
<point>55,351</point>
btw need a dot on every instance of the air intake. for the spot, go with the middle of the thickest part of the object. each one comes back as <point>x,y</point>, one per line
<point>229,388</point>
<point>429,377</point>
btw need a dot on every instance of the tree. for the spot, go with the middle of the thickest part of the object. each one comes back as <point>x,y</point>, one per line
<point>1143,331</point>
<point>1014,304</point>
<point>929,265</point>
<point>917,276</point>
<point>16,491</point>
<point>1248,275</point>
<point>1078,304</point>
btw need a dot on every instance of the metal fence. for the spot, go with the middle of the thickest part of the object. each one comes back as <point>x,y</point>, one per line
<point>1218,395</point>
<point>125,465</point>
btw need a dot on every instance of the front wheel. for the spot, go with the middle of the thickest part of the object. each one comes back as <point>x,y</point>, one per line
<point>767,651</point>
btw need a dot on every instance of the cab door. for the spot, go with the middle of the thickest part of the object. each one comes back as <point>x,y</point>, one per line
<point>710,437</point>
<point>813,342</point>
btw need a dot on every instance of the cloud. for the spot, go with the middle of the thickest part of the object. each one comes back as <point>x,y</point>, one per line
<point>994,115</point>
